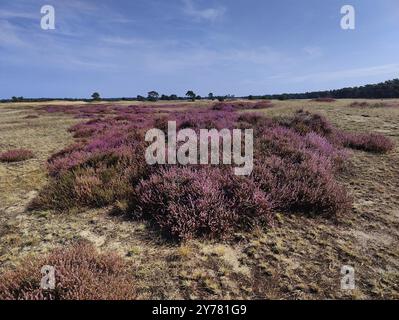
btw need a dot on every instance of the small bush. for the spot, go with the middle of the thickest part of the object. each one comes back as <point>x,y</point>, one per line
<point>375,105</point>
<point>370,142</point>
<point>307,187</point>
<point>16,155</point>
<point>305,122</point>
<point>185,203</point>
<point>80,274</point>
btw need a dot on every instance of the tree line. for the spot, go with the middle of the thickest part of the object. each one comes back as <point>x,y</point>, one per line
<point>383,90</point>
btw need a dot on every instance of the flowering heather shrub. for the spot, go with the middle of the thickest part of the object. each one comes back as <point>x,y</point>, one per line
<point>322,146</point>
<point>296,159</point>
<point>80,274</point>
<point>298,171</point>
<point>16,155</point>
<point>222,106</point>
<point>255,119</point>
<point>308,186</point>
<point>229,107</point>
<point>204,119</point>
<point>95,173</point>
<point>370,142</point>
<point>203,202</point>
<point>305,122</point>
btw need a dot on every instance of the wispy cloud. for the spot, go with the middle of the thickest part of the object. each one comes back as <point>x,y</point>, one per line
<point>9,35</point>
<point>313,51</point>
<point>387,69</point>
<point>210,14</point>
<point>10,14</point>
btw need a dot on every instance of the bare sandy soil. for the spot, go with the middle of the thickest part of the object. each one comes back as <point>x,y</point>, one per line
<point>300,258</point>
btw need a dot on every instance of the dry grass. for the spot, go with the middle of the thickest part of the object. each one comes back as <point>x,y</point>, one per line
<point>300,257</point>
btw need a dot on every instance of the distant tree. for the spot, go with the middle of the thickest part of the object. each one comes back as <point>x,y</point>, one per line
<point>96,96</point>
<point>211,97</point>
<point>140,98</point>
<point>173,97</point>
<point>17,99</point>
<point>153,96</point>
<point>221,99</point>
<point>198,97</point>
<point>190,94</point>
<point>383,90</point>
<point>164,97</point>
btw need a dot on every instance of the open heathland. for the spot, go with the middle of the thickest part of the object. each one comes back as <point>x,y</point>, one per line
<point>322,194</point>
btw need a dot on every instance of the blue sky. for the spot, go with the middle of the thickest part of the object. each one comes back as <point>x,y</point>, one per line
<point>241,47</point>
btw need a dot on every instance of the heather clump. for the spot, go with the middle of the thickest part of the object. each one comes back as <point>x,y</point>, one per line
<point>204,119</point>
<point>370,142</point>
<point>298,171</point>
<point>375,105</point>
<point>16,155</point>
<point>305,122</point>
<point>95,173</point>
<point>80,274</point>
<point>200,202</point>
<point>308,186</point>
<point>232,106</point>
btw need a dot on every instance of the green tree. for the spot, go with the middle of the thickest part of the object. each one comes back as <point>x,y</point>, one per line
<point>153,96</point>
<point>190,94</point>
<point>96,96</point>
<point>211,96</point>
<point>221,98</point>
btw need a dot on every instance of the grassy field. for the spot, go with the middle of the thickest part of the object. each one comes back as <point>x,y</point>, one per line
<point>299,258</point>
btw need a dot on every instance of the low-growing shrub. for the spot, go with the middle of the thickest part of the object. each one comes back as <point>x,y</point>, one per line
<point>80,274</point>
<point>370,142</point>
<point>375,105</point>
<point>16,155</point>
<point>200,202</point>
<point>305,122</point>
<point>231,106</point>
<point>308,186</point>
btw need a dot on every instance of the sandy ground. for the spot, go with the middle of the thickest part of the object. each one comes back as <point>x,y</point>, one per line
<point>300,258</point>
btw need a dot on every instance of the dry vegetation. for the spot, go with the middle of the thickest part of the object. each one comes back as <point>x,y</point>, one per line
<point>300,256</point>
